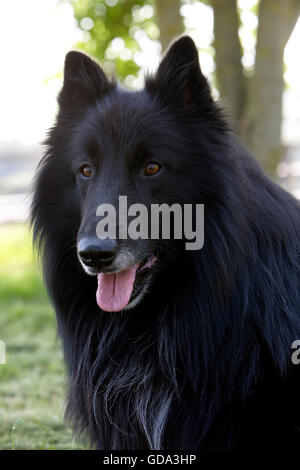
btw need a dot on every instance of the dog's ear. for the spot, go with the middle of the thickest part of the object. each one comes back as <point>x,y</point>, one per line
<point>179,78</point>
<point>84,81</point>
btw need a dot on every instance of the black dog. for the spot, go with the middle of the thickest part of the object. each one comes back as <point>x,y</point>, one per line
<point>199,357</point>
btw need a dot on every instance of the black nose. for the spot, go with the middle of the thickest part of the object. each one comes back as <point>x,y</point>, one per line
<point>96,253</point>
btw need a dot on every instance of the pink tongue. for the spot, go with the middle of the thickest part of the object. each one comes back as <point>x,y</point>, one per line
<point>114,290</point>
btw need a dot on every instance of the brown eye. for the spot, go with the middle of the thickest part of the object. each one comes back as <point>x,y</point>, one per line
<point>152,168</point>
<point>86,171</point>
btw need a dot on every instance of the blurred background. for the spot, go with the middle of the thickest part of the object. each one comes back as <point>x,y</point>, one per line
<point>249,50</point>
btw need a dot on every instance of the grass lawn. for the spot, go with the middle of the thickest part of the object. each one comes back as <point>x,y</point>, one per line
<point>32,382</point>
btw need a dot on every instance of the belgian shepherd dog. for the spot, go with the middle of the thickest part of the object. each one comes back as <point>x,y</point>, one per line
<point>168,348</point>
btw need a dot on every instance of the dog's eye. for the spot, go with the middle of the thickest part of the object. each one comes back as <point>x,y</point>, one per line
<point>86,171</point>
<point>152,168</point>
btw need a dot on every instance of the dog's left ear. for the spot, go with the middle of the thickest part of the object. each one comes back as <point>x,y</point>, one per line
<point>84,81</point>
<point>179,78</point>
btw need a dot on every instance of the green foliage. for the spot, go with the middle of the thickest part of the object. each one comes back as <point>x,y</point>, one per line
<point>32,382</point>
<point>111,29</point>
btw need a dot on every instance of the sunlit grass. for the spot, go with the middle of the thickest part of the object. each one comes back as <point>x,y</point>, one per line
<point>32,382</point>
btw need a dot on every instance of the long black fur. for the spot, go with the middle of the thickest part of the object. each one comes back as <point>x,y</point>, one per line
<point>204,361</point>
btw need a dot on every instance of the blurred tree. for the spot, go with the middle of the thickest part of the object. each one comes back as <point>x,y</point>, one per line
<point>169,20</point>
<point>228,56</point>
<point>111,29</point>
<point>255,102</point>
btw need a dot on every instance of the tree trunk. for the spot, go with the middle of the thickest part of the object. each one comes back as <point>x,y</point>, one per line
<point>231,82</point>
<point>169,21</point>
<point>263,113</point>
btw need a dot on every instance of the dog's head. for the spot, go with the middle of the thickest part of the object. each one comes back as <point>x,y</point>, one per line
<point>117,155</point>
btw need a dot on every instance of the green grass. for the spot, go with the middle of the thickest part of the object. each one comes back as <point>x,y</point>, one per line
<point>32,382</point>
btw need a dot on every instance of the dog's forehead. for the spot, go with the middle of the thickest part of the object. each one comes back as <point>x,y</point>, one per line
<point>123,120</point>
<point>124,111</point>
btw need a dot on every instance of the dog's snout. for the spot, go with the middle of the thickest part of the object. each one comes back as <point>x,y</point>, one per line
<point>96,253</point>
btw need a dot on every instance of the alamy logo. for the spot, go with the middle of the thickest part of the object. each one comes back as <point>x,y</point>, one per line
<point>188,222</point>
<point>2,353</point>
<point>296,354</point>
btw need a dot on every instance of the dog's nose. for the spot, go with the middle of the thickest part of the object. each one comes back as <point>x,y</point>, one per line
<point>96,253</point>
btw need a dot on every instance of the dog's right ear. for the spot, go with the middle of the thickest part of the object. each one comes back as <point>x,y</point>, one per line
<point>179,79</point>
<point>84,81</point>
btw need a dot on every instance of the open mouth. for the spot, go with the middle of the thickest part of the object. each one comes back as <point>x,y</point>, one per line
<point>117,290</point>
